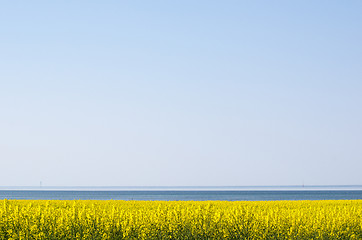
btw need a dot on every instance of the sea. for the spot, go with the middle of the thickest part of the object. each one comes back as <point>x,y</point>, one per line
<point>220,193</point>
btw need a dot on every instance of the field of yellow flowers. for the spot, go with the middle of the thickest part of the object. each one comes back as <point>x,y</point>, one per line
<point>92,219</point>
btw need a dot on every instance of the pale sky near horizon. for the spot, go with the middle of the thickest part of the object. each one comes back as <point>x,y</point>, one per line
<point>180,93</point>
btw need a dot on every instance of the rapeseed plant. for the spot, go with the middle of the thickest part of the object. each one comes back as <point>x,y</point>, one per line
<point>92,219</point>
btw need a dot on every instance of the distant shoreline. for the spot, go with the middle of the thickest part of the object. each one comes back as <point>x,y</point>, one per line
<point>187,188</point>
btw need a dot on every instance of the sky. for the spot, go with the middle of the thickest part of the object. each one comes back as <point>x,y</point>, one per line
<point>180,93</point>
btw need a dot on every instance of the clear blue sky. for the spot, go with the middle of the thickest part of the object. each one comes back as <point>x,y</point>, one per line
<point>139,93</point>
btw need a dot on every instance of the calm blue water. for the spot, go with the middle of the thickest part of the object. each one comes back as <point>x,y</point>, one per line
<point>195,195</point>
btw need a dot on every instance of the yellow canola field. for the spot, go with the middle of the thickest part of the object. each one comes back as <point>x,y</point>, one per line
<point>91,219</point>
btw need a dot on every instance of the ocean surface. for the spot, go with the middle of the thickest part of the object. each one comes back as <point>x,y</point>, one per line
<point>184,193</point>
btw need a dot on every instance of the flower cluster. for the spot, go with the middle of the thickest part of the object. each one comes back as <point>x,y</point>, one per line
<point>92,219</point>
